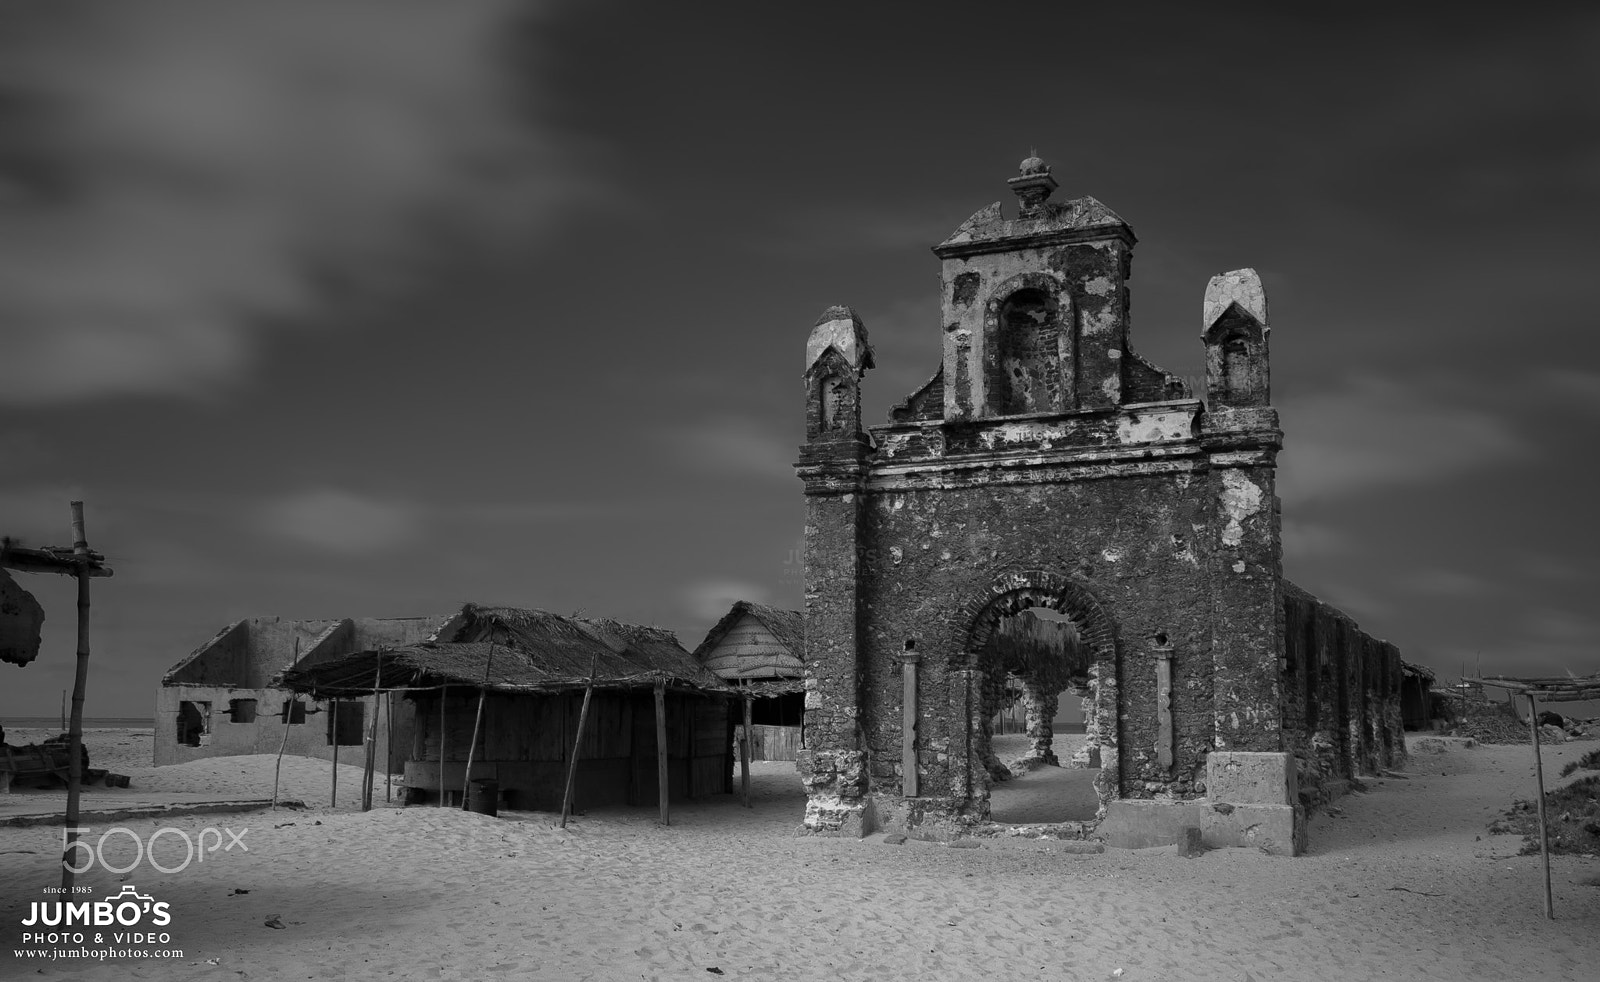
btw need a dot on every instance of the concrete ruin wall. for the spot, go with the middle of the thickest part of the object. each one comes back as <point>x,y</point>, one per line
<point>239,664</point>
<point>1045,464</point>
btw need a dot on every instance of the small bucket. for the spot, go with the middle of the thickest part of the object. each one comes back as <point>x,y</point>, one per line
<point>483,796</point>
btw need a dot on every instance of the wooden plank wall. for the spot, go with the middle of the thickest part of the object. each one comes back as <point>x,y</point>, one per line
<point>771,742</point>
<point>527,738</point>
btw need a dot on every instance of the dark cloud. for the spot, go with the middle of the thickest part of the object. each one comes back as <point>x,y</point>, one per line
<point>181,173</point>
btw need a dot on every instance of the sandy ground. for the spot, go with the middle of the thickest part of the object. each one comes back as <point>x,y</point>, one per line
<point>1402,882</point>
<point>129,752</point>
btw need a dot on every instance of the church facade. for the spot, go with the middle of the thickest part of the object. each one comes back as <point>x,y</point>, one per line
<point>1046,466</point>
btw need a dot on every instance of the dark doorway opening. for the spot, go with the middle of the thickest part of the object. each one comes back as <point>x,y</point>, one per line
<point>194,722</point>
<point>345,718</point>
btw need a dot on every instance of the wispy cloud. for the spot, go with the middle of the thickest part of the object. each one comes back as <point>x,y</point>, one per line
<point>175,175</point>
<point>1373,433</point>
<point>739,445</point>
<point>1443,583</point>
<point>1575,386</point>
<point>864,229</point>
<point>341,522</point>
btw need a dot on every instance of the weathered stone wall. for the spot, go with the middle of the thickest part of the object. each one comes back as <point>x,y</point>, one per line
<point>1341,706</point>
<point>931,557</point>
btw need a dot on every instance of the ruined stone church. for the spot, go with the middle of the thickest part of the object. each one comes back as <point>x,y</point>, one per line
<point>1047,466</point>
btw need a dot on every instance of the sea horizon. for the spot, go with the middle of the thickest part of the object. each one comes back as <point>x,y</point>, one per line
<point>89,722</point>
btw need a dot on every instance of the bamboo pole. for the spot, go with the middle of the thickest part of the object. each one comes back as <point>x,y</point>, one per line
<point>372,737</point>
<point>288,705</point>
<point>472,747</point>
<point>333,731</point>
<point>744,753</point>
<point>661,750</point>
<point>443,691</point>
<point>1544,833</point>
<point>80,551</point>
<point>577,742</point>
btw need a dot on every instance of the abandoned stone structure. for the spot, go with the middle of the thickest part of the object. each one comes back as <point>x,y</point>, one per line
<point>1046,465</point>
<point>221,701</point>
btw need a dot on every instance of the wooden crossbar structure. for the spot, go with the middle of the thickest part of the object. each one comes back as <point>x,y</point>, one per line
<point>81,563</point>
<point>1550,689</point>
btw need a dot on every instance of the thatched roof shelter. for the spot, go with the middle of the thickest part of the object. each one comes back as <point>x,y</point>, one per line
<point>754,641</point>
<point>511,649</point>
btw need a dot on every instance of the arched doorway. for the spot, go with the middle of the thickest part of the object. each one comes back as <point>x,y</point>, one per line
<point>1042,639</point>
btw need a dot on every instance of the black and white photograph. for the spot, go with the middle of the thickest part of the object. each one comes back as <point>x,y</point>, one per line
<point>633,491</point>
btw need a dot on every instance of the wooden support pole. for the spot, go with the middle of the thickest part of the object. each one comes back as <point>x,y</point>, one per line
<point>367,781</point>
<point>443,689</point>
<point>333,731</point>
<point>1544,832</point>
<point>908,723</point>
<point>477,721</point>
<point>288,705</point>
<point>388,744</point>
<point>577,742</point>
<point>661,749</point>
<point>744,753</point>
<point>80,681</point>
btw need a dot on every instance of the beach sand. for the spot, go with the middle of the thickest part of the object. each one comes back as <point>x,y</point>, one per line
<point>1402,882</point>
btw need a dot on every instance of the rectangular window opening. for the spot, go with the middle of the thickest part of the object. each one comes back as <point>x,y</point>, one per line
<point>345,717</point>
<point>242,710</point>
<point>294,711</point>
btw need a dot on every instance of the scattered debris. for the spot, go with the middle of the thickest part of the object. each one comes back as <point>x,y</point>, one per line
<point>1420,893</point>
<point>274,923</point>
<point>1573,814</point>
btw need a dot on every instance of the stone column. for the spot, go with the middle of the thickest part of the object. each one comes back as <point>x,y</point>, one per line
<point>1088,755</point>
<point>1039,704</point>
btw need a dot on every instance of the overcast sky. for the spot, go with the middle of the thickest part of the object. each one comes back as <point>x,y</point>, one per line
<point>372,308</point>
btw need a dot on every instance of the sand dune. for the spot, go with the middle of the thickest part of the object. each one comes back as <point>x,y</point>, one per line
<point>1402,882</point>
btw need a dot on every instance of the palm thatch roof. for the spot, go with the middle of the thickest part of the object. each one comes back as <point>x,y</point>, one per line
<point>511,649</point>
<point>778,657</point>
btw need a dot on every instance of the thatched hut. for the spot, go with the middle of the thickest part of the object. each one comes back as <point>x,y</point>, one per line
<point>517,678</point>
<point>757,649</point>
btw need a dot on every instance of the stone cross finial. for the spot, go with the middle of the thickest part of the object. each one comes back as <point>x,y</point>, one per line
<point>1033,184</point>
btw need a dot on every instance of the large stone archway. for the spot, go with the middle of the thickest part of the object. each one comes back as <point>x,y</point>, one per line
<point>973,625</point>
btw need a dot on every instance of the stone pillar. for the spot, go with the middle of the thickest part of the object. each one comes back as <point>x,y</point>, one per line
<point>909,717</point>
<point>1247,614</point>
<point>991,686</point>
<point>1040,706</point>
<point>833,765</point>
<point>1088,755</point>
<point>833,465</point>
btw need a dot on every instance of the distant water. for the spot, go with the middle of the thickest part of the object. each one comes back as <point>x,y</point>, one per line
<point>89,722</point>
